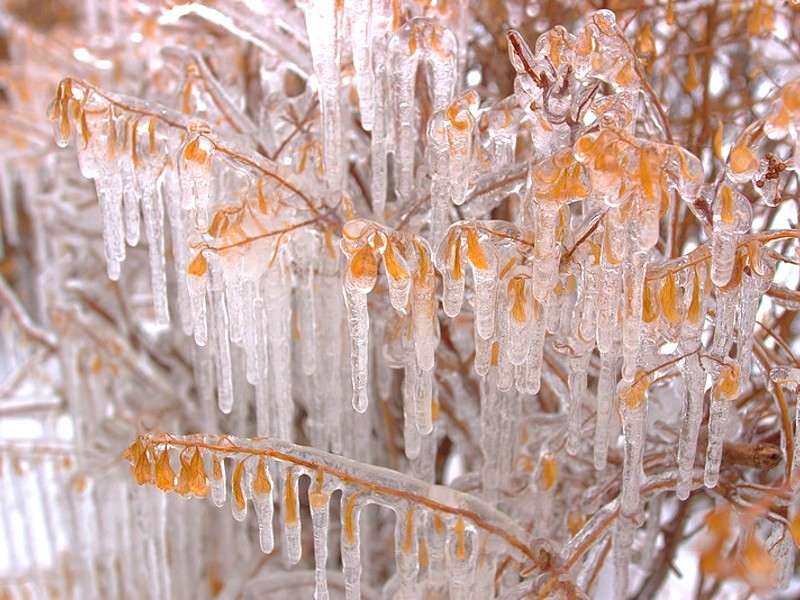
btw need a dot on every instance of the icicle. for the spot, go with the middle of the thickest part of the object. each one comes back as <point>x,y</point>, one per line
<point>358,321</point>
<point>610,283</point>
<point>306,304</point>
<point>378,143</point>
<point>536,354</point>
<point>277,296</point>
<point>695,378</point>
<point>491,409</point>
<point>424,307</point>
<point>130,203</point>
<point>606,385</point>
<point>726,388</point>
<point>483,350</point>
<point>423,399</point>
<point>518,320</point>
<point>502,135</point>
<point>168,192</point>
<point>732,216</point>
<point>153,211</point>
<point>749,300</point>
<point>328,376</point>
<point>318,500</point>
<point>461,563</point>
<point>403,57</point>
<point>406,549</point>
<point>361,32</point>
<point>238,491</point>
<point>633,275</point>
<point>484,276</point>
<point>203,367</point>
<point>234,301</point>
<point>252,313</point>
<point>724,320</point>
<point>261,493</point>
<point>449,262</point>
<point>350,545</point>
<point>324,25</point>
<point>217,481</point>
<point>195,172</point>
<point>8,198</point>
<point>578,371</point>
<point>439,167</point>
<point>360,278</point>
<point>291,518</point>
<point>222,350</point>
<point>197,283</point>
<point>633,409</point>
<point>411,435</point>
<point>440,50</point>
<point>460,126</point>
<point>397,272</point>
<point>109,194</point>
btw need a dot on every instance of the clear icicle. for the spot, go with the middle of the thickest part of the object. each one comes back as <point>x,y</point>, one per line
<point>153,210</point>
<point>197,300</point>
<point>423,400</point>
<point>318,501</point>
<point>358,321</point>
<point>633,409</point>
<point>277,295</point>
<point>328,376</point>
<point>404,56</point>
<point>406,550</point>
<point>518,319</point>
<point>411,435</point>
<point>485,282</point>
<point>424,308</point>
<point>724,236</point>
<point>695,378</point>
<point>606,385</point>
<point>717,423</point>
<point>578,370</point>
<point>350,545</point>
<point>109,193</point>
<point>323,24</point>
<point>222,351</point>
<point>361,32</point>
<point>438,165</point>
<point>167,190</point>
<point>378,143</point>
<point>750,298</point>
<point>461,124</point>
<point>8,206</point>
<point>536,355</point>
<point>234,300</point>
<point>483,349</point>
<point>291,518</point>
<point>261,492</point>
<point>449,263</point>
<point>491,410</point>
<point>725,320</point>
<point>130,203</point>
<point>217,482</point>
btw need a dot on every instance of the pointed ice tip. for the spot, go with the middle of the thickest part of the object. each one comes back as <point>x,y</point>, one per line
<point>360,401</point>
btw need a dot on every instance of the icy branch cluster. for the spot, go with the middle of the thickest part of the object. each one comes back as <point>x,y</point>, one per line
<point>504,280</point>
